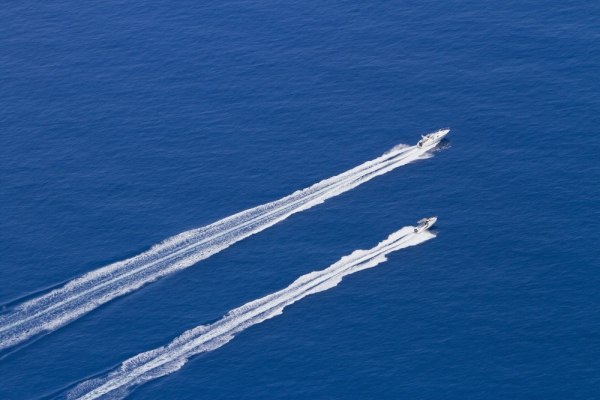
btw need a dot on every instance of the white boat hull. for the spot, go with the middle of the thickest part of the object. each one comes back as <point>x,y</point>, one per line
<point>425,224</point>
<point>432,139</point>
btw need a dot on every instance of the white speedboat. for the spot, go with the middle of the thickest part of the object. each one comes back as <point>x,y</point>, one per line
<point>425,224</point>
<point>429,141</point>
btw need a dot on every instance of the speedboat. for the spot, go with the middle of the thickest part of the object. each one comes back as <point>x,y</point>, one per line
<point>425,224</point>
<point>429,141</point>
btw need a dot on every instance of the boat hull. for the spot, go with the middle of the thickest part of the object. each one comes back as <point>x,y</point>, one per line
<point>433,139</point>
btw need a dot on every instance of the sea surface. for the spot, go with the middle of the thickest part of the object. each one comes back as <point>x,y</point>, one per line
<point>125,123</point>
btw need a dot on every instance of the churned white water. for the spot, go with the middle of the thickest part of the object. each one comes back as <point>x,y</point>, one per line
<point>165,360</point>
<point>85,293</point>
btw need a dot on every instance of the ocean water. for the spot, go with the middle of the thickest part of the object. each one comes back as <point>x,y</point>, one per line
<point>124,124</point>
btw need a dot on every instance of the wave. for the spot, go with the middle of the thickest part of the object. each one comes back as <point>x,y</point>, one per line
<point>83,294</point>
<point>165,360</point>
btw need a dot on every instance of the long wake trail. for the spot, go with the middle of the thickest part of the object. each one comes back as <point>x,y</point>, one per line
<point>83,294</point>
<point>168,359</point>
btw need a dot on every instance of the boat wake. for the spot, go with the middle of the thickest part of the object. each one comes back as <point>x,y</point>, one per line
<point>83,294</point>
<point>165,360</point>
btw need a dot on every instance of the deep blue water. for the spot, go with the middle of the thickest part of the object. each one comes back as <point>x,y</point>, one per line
<point>126,123</point>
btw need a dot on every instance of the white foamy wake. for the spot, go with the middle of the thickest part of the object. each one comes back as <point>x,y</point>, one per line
<point>165,360</point>
<point>83,294</point>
